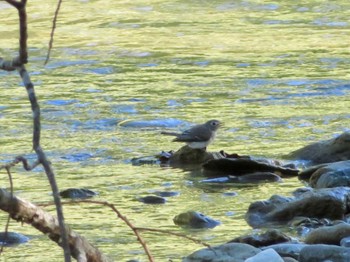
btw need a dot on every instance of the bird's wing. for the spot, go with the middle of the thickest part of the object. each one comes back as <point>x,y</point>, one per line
<point>187,136</point>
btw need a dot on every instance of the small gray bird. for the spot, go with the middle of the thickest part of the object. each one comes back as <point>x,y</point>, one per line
<point>199,136</point>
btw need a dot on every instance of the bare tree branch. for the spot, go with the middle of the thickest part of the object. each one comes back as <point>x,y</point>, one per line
<point>53,31</point>
<point>125,219</point>
<point>18,63</point>
<point>26,212</point>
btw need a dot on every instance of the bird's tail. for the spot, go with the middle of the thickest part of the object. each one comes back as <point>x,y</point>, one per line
<point>169,133</point>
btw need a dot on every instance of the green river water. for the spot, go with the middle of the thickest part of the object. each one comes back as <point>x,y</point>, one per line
<point>275,72</point>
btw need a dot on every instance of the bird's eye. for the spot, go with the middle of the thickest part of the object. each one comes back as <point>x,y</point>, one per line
<point>214,123</point>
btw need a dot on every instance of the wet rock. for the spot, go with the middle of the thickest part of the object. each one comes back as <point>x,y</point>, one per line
<point>153,200</point>
<point>335,174</point>
<point>332,150</point>
<point>77,193</point>
<point>254,178</point>
<point>345,242</point>
<point>304,225</point>
<point>12,238</point>
<point>317,253</point>
<point>187,156</point>
<point>242,166</point>
<point>230,194</point>
<point>289,259</point>
<point>270,237</point>
<point>287,249</point>
<point>167,193</point>
<point>194,219</point>
<point>232,252</point>
<point>321,203</point>
<point>266,255</point>
<point>146,160</point>
<point>329,234</point>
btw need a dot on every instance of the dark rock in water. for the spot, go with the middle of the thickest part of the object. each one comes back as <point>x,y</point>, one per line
<point>335,174</point>
<point>152,200</point>
<point>304,225</point>
<point>321,203</point>
<point>224,253</point>
<point>331,235</point>
<point>186,156</point>
<point>258,177</point>
<point>167,193</point>
<point>194,219</point>
<point>77,193</point>
<point>146,160</point>
<point>12,238</point>
<point>317,253</point>
<point>307,173</point>
<point>332,150</point>
<point>230,194</point>
<point>270,237</point>
<point>239,167</point>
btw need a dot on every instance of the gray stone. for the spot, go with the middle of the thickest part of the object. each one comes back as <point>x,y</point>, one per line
<point>331,175</point>
<point>332,150</point>
<point>232,252</point>
<point>194,219</point>
<point>345,242</point>
<point>287,249</point>
<point>328,203</point>
<point>328,235</point>
<point>317,253</point>
<point>269,255</point>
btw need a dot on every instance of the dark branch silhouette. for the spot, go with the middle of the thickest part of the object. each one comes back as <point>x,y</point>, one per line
<point>26,212</point>
<point>18,64</point>
<point>53,31</point>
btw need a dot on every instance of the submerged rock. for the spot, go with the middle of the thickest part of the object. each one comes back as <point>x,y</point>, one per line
<point>332,150</point>
<point>194,219</point>
<point>167,193</point>
<point>12,238</point>
<point>258,177</point>
<point>254,178</point>
<point>231,252</point>
<point>146,160</point>
<point>77,193</point>
<point>152,200</point>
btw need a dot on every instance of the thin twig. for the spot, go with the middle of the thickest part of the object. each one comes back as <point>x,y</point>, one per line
<point>195,240</point>
<point>24,161</point>
<point>129,224</point>
<point>54,21</point>
<point>9,216</point>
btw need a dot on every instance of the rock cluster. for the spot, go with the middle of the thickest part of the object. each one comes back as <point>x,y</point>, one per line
<point>320,212</point>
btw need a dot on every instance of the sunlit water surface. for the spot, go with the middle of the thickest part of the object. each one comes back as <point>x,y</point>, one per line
<point>276,73</point>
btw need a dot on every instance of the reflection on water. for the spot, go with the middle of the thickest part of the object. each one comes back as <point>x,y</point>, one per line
<point>275,73</point>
